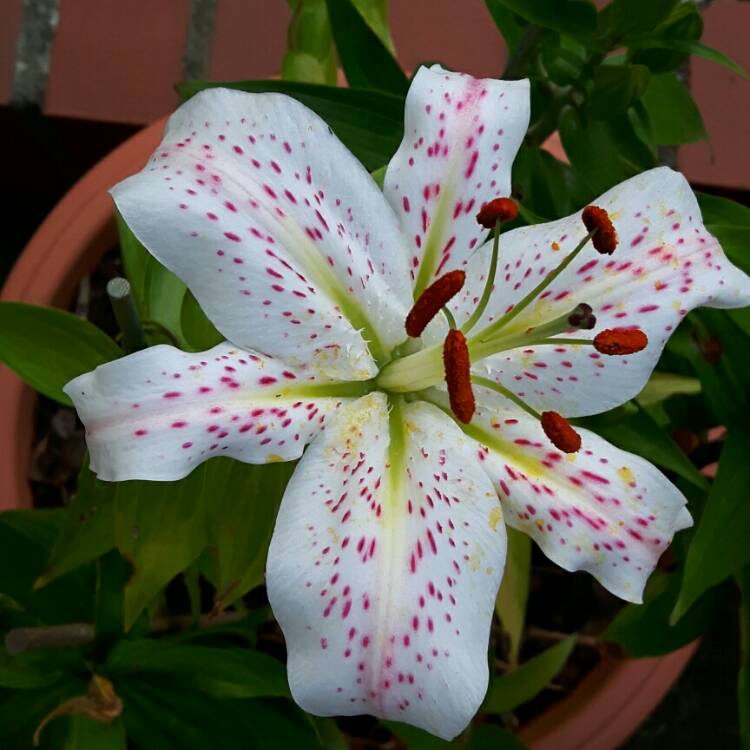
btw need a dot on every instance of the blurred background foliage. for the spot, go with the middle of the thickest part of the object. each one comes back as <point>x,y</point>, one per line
<point>136,616</point>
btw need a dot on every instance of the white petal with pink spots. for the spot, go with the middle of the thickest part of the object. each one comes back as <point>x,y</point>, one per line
<point>158,413</point>
<point>384,567</point>
<point>602,509</point>
<point>665,265</point>
<point>283,237</point>
<point>461,135</point>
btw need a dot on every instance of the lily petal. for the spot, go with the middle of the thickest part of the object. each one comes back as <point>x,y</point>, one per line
<point>602,510</point>
<point>254,203</point>
<point>461,135</point>
<point>158,413</point>
<point>384,566</point>
<point>665,265</point>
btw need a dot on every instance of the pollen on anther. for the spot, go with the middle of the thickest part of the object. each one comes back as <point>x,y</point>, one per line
<point>432,300</point>
<point>499,209</point>
<point>620,341</point>
<point>597,220</point>
<point>458,376</point>
<point>560,433</point>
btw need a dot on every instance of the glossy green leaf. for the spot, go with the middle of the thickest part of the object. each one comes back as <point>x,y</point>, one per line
<point>644,630</point>
<point>720,545</point>
<point>675,117</point>
<point>491,737</point>
<point>310,55</point>
<point>639,433</point>
<point>664,385</point>
<point>718,210</point>
<point>688,46</point>
<point>156,290</point>
<point>685,22</point>
<point>616,87</point>
<point>28,536</point>
<point>510,690</point>
<point>370,123</point>
<point>48,347</point>
<point>514,590</point>
<point>86,734</point>
<point>199,332</point>
<point>507,23</point>
<point>88,530</point>
<point>219,672</point>
<point>375,14</point>
<point>574,17</point>
<point>540,183</point>
<point>244,502</point>
<point>623,17</point>
<point>160,528</point>
<point>366,60</point>
<point>743,678</point>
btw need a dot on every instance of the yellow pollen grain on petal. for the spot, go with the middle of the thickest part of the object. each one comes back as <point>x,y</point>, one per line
<point>335,539</point>
<point>555,246</point>
<point>489,571</point>
<point>677,305</point>
<point>496,515</point>
<point>539,524</point>
<point>626,474</point>
<point>570,458</point>
<point>273,458</point>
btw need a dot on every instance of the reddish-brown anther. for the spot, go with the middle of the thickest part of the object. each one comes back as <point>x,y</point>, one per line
<point>458,375</point>
<point>559,431</point>
<point>619,341</point>
<point>499,209</point>
<point>605,236</point>
<point>431,300</point>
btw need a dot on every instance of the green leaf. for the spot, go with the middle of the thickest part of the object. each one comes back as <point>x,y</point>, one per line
<point>623,17</point>
<point>367,61</point>
<point>244,502</point>
<point>688,46</point>
<point>20,672</point>
<point>720,545</point>
<point>576,18</point>
<point>510,690</point>
<point>675,117</point>
<point>616,87</point>
<point>303,67</point>
<point>156,290</point>
<point>514,590</point>
<point>87,734</point>
<point>375,14</point>
<point>664,385</point>
<point>88,530</point>
<point>540,182</point>
<point>28,536</point>
<point>743,678</point>
<point>644,630</point>
<point>491,737</point>
<point>369,123</point>
<point>685,22</point>
<point>310,55</point>
<point>48,347</point>
<point>639,433</point>
<point>198,330</point>
<point>717,210</point>
<point>415,738</point>
<point>219,672</point>
<point>160,529</point>
<point>507,23</point>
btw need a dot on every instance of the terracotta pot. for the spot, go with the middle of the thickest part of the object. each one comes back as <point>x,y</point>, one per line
<point>604,710</point>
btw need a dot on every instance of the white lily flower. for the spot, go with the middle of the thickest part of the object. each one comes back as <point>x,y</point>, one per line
<point>390,542</point>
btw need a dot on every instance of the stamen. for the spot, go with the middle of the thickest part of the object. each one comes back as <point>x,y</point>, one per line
<point>620,341</point>
<point>503,391</point>
<point>458,376</point>
<point>489,282</point>
<point>559,431</point>
<point>431,300</point>
<point>597,220</point>
<point>497,210</point>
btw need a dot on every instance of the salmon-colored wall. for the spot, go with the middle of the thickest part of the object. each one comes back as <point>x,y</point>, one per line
<point>117,61</point>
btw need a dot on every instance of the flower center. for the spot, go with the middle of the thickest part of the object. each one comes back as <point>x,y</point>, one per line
<point>451,360</point>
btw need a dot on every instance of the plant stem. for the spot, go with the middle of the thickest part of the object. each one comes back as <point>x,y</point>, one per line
<point>126,314</point>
